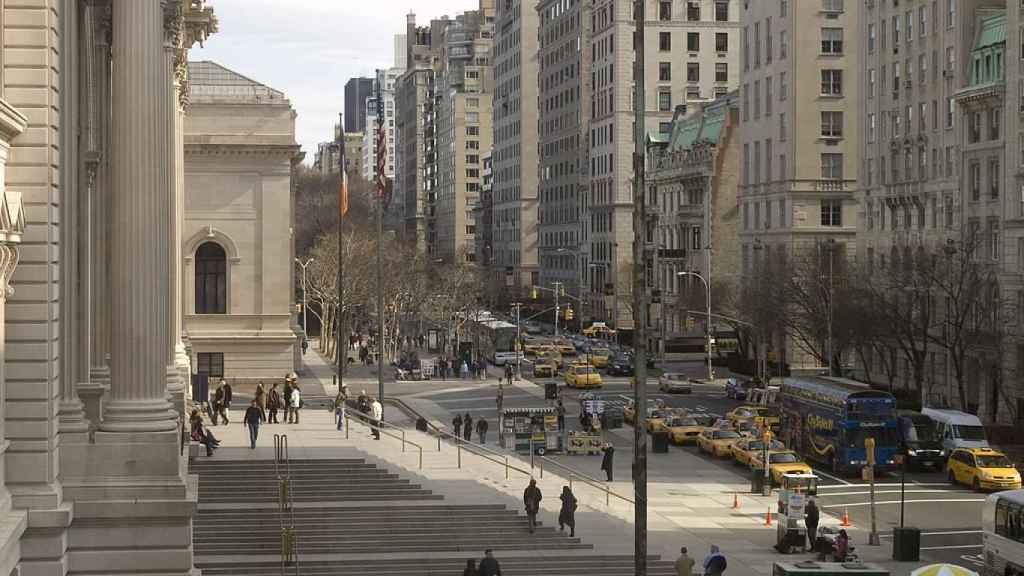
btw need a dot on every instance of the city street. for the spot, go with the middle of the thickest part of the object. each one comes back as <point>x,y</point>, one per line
<point>948,516</point>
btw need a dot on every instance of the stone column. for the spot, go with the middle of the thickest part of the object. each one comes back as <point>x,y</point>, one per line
<point>140,228</point>
<point>173,31</point>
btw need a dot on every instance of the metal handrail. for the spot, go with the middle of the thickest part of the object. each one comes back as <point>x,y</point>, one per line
<point>484,453</point>
<point>593,482</point>
<point>386,433</point>
<point>289,541</point>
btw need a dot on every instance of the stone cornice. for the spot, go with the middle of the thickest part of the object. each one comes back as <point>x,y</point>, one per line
<point>286,150</point>
<point>12,122</point>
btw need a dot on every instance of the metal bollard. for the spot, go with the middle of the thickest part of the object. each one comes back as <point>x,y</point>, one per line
<point>403,441</point>
<point>287,545</point>
<point>506,467</point>
<point>282,496</point>
<point>458,448</point>
<point>541,467</point>
<point>346,424</point>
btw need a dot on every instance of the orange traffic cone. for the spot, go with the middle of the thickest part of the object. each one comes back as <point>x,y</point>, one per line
<point>846,519</point>
<point>735,501</point>
<point>768,518</point>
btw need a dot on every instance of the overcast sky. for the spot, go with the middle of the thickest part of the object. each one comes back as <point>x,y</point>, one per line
<point>309,49</point>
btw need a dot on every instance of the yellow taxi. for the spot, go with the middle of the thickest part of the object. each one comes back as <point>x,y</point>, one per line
<point>565,348</point>
<point>681,429</point>
<point>982,469</point>
<point>759,415</point>
<point>598,330</point>
<point>656,418</point>
<point>600,357</point>
<point>629,412</point>
<point>582,376</point>
<point>531,346</point>
<point>544,368</point>
<point>744,450</point>
<point>550,354</point>
<point>717,441</point>
<point>780,463</point>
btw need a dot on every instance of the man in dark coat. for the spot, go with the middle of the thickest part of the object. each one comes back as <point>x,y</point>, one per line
<point>489,565</point>
<point>481,429</point>
<point>457,425</point>
<point>531,499</point>
<point>467,427</point>
<point>608,460</point>
<point>811,520</point>
<point>227,395</point>
<point>567,514</point>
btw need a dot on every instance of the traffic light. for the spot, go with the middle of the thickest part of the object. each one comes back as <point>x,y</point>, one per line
<point>689,322</point>
<point>568,313</point>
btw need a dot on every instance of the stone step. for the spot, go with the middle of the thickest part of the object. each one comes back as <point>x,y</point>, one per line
<point>589,565</point>
<point>357,530</point>
<point>260,487</point>
<point>232,476</point>
<point>440,544</point>
<point>293,463</point>
<point>376,510</point>
<point>364,522</point>
<point>245,499</point>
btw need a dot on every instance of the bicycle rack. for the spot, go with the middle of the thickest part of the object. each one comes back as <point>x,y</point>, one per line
<point>286,510</point>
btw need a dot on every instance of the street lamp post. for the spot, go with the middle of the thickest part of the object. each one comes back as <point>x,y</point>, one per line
<point>518,306</point>
<point>831,248</point>
<point>305,298</point>
<point>707,328</point>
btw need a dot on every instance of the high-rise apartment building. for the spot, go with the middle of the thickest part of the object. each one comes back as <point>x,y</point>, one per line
<point>563,86</point>
<point>691,55</point>
<point>357,90</point>
<point>386,80</point>
<point>462,107</point>
<point>1012,236</point>
<point>798,190</point>
<point>515,157</point>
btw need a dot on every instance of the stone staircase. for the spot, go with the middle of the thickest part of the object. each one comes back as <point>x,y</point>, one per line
<point>353,518</point>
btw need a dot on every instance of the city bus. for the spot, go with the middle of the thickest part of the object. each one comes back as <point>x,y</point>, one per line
<point>1002,524</point>
<point>497,339</point>
<point>828,419</point>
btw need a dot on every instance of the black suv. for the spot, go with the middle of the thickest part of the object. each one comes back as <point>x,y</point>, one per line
<point>620,366</point>
<point>919,440</point>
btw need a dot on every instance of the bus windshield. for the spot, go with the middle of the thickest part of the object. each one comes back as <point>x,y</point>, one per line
<point>884,437</point>
<point>964,432</point>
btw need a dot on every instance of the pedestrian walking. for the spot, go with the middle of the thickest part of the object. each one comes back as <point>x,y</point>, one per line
<point>608,460</point>
<point>443,367</point>
<point>464,371</point>
<point>811,517</point>
<point>467,427</point>
<point>508,373</point>
<point>714,563</point>
<point>684,564</point>
<point>457,425</point>
<point>363,402</point>
<point>253,417</point>
<point>500,398</point>
<point>531,499</point>
<point>219,406</point>
<point>339,406</point>
<point>377,414</point>
<point>567,514</point>
<point>273,403</point>
<point>261,399</point>
<point>227,396</point>
<point>296,403</point>
<point>489,565</point>
<point>364,354</point>
<point>470,568</point>
<point>560,411</point>
<point>287,401</point>
<point>481,429</point>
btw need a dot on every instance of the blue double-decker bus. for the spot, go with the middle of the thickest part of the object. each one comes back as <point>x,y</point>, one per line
<point>828,419</point>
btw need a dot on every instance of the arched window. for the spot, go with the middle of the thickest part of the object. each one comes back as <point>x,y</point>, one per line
<point>211,279</point>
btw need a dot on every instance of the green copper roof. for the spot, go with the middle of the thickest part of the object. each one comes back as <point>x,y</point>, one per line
<point>993,30</point>
<point>706,126</point>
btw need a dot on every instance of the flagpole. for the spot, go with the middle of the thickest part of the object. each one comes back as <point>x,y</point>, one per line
<point>340,345</point>
<point>382,161</point>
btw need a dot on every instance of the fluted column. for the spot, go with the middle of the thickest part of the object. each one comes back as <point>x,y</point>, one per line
<point>140,262</point>
<point>172,41</point>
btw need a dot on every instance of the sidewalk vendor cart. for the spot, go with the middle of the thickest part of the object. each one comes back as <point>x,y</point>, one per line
<point>526,429</point>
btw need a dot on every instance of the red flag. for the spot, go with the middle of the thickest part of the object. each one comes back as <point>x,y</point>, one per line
<point>343,193</point>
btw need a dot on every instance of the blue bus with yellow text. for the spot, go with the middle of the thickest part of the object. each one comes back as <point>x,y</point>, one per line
<point>828,419</point>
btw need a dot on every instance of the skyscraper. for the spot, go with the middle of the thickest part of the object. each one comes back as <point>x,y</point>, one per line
<point>357,90</point>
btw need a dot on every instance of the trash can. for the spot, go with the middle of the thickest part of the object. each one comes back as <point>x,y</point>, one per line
<point>659,442</point>
<point>756,480</point>
<point>906,544</point>
<point>550,390</point>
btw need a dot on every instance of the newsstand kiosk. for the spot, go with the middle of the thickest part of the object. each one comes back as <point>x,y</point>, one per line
<point>526,429</point>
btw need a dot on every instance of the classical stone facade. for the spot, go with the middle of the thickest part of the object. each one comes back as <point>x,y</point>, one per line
<point>238,281</point>
<point>93,95</point>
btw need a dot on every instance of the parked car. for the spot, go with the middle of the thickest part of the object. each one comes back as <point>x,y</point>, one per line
<point>674,383</point>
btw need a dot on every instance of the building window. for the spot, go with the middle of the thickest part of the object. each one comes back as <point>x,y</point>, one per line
<point>993,238</point>
<point>831,82</point>
<point>831,124</point>
<point>692,72</point>
<point>783,44</point>
<point>871,82</point>
<point>872,34</point>
<point>211,279</point>
<point>782,127</point>
<point>871,127</point>
<point>783,88</point>
<point>721,10</point>
<point>693,41</point>
<point>831,212</point>
<point>664,41</point>
<point>994,178</point>
<point>664,100</point>
<point>832,166</point>
<point>693,10</point>
<point>950,13</point>
<point>665,10</point>
<point>832,6</point>
<point>211,364</point>
<point>974,179</point>
<point>994,116</point>
<point>831,40</point>
<point>721,71</point>
<point>664,71</point>
<point>721,42</point>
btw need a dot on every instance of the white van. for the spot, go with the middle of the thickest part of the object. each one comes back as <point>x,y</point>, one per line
<point>957,429</point>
